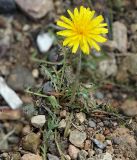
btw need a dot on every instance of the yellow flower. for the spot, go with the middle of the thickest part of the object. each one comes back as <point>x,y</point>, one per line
<point>82,30</point>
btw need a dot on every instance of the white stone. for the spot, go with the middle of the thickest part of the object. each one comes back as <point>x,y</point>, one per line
<point>38,121</point>
<point>77,138</point>
<point>120,36</point>
<point>62,124</point>
<point>107,67</point>
<point>44,42</point>
<point>73,152</point>
<point>81,117</point>
<point>9,95</point>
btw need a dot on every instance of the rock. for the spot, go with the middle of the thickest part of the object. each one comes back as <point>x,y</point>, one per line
<point>77,138</point>
<point>53,56</point>
<point>52,157</point>
<point>100,137</point>
<point>15,155</point>
<point>91,152</point>
<point>129,108</point>
<point>31,142</point>
<point>120,36</point>
<point>134,28</point>
<point>107,67</point>
<point>20,77</point>
<point>7,114</point>
<point>99,144</point>
<point>35,73</point>
<point>81,117</point>
<point>73,151</point>
<point>82,155</point>
<point>7,6</point>
<point>87,145</point>
<point>110,46</point>
<point>127,69</point>
<point>26,28</point>
<point>38,121</point>
<point>103,156</point>
<point>91,124</point>
<point>9,95</point>
<point>26,130</point>
<point>126,142</point>
<point>62,124</point>
<point>44,42</point>
<point>30,156</point>
<point>48,87</point>
<point>63,114</point>
<point>35,8</point>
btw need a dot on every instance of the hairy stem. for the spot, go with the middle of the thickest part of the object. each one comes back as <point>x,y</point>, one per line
<point>76,83</point>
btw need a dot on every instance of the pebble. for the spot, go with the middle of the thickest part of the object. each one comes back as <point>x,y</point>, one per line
<point>7,114</point>
<point>103,156</point>
<point>44,42</point>
<point>127,68</point>
<point>35,73</point>
<point>20,78</point>
<point>63,114</point>
<point>77,138</point>
<point>26,27</point>
<point>87,145</point>
<point>73,151</point>
<point>134,28</point>
<point>48,87</point>
<point>120,35</point>
<point>35,9</point>
<point>100,137</point>
<point>38,121</point>
<point>129,108</point>
<point>91,124</point>
<point>81,117</point>
<point>99,144</point>
<point>82,155</point>
<point>30,156</point>
<point>31,142</point>
<point>9,95</point>
<point>15,155</point>
<point>107,67</point>
<point>52,157</point>
<point>62,124</point>
<point>26,130</point>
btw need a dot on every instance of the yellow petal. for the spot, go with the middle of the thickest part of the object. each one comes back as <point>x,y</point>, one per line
<point>76,13</point>
<point>66,33</point>
<point>96,21</point>
<point>64,25</point>
<point>93,44</point>
<point>70,14</point>
<point>75,47</point>
<point>66,20</point>
<point>98,38</point>
<point>84,46</point>
<point>102,25</point>
<point>99,31</point>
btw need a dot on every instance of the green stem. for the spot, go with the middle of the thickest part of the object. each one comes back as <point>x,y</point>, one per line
<point>63,68</point>
<point>76,83</point>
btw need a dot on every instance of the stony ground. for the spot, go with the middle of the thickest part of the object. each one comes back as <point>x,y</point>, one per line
<point>100,126</point>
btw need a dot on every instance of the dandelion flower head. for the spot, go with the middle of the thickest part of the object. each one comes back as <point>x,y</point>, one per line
<point>82,30</point>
